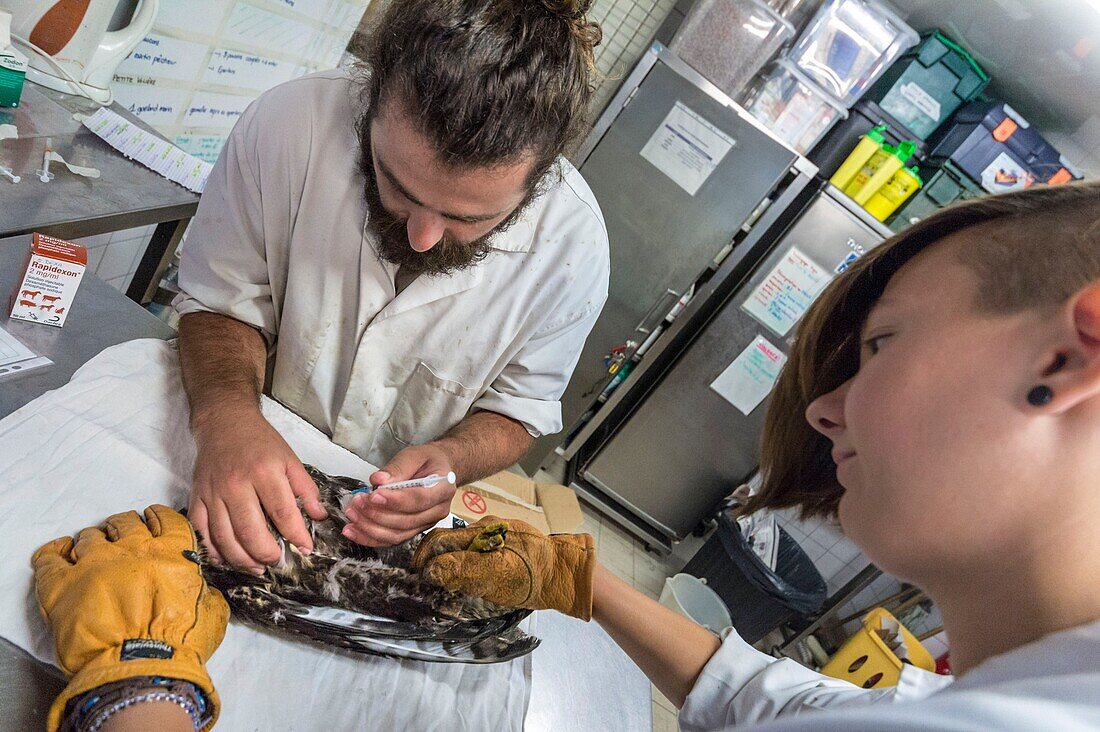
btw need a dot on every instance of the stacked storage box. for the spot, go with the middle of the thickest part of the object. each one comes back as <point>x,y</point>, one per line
<point>987,148</point>
<point>843,50</point>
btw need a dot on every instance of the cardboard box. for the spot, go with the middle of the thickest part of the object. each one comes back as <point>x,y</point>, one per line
<point>13,65</point>
<point>550,508</point>
<point>50,279</point>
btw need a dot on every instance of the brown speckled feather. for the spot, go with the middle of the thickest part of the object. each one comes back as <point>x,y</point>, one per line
<point>367,600</point>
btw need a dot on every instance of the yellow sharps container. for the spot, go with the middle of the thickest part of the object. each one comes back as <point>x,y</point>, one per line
<point>878,170</point>
<point>897,190</point>
<point>869,144</point>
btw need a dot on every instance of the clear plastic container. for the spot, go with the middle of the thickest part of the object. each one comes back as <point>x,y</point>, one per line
<point>849,44</point>
<point>729,41</point>
<point>793,107</point>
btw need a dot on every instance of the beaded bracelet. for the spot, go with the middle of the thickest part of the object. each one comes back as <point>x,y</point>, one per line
<point>88,713</point>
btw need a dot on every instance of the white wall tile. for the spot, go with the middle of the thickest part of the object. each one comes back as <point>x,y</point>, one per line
<point>118,258</point>
<point>92,242</point>
<point>94,257</point>
<point>126,234</point>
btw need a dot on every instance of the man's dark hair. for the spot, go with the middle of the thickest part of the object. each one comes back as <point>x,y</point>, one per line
<point>488,81</point>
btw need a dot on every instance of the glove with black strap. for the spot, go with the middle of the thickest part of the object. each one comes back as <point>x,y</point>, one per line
<point>127,599</point>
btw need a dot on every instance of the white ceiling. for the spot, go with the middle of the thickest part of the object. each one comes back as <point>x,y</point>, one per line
<point>1043,57</point>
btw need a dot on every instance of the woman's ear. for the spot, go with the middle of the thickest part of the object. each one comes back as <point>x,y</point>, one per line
<point>1073,372</point>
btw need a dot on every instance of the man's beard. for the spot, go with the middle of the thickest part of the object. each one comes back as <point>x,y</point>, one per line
<point>446,257</point>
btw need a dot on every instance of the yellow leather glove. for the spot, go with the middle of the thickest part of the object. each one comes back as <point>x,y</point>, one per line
<point>125,601</point>
<point>527,569</point>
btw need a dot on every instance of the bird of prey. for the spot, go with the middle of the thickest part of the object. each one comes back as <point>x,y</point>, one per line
<point>367,600</point>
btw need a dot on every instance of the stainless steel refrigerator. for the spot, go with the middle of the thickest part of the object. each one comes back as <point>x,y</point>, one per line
<point>695,437</point>
<point>679,170</point>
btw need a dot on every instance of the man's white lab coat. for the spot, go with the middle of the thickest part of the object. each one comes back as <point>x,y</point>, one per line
<point>280,242</point>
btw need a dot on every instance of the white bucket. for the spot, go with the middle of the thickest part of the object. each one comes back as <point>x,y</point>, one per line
<point>691,597</point>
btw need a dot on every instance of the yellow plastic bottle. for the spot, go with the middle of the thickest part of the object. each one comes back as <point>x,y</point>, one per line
<point>897,191</point>
<point>868,145</point>
<point>878,170</point>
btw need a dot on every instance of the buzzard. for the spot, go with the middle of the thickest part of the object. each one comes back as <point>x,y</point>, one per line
<point>367,600</point>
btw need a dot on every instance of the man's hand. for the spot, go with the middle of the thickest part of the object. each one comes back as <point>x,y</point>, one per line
<point>244,470</point>
<point>389,517</point>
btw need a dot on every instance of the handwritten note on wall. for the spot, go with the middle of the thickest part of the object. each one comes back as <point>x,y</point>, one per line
<point>206,60</point>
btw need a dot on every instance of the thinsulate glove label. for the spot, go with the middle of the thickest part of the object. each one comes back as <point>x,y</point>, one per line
<point>136,648</point>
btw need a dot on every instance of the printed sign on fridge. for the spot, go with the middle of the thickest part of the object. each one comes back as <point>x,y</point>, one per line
<point>751,376</point>
<point>687,148</point>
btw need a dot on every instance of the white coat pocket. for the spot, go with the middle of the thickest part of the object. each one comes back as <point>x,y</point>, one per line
<point>428,400</point>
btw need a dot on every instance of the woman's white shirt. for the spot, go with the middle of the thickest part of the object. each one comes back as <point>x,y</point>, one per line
<point>1050,684</point>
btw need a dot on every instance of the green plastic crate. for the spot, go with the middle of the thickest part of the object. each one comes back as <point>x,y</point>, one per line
<point>941,188</point>
<point>923,87</point>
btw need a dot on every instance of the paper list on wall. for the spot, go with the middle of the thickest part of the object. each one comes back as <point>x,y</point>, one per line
<point>687,148</point>
<point>204,61</point>
<point>150,150</point>
<point>787,292</point>
<point>751,376</point>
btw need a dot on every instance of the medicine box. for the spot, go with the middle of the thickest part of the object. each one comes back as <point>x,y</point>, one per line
<point>50,279</point>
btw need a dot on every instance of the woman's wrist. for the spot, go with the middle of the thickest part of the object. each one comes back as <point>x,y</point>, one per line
<point>105,707</point>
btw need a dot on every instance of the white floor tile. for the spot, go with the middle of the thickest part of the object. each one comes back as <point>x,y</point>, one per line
<point>664,720</point>
<point>649,573</point>
<point>846,549</point>
<point>660,699</point>
<point>618,561</point>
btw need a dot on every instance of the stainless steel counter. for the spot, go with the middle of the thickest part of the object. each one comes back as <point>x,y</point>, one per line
<point>126,195</point>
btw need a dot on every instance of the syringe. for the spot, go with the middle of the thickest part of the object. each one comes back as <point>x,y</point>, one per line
<point>425,482</point>
<point>7,173</point>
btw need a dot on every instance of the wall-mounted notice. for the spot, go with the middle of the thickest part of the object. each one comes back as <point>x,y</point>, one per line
<point>161,57</point>
<point>687,148</point>
<point>787,292</point>
<point>246,70</point>
<point>205,60</point>
<point>751,376</point>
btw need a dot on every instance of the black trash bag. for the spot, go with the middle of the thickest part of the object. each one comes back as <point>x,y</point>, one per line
<point>759,599</point>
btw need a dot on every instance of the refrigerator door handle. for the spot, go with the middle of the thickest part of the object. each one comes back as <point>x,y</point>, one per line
<point>646,324</point>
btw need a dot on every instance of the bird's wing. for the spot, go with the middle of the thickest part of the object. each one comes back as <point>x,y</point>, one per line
<point>494,640</point>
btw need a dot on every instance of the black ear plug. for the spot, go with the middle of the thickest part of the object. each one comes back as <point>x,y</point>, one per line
<point>1040,396</point>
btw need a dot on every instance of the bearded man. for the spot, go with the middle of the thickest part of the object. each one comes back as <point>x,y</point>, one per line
<point>402,254</point>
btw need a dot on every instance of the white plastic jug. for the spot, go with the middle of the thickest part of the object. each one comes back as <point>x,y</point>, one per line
<point>74,34</point>
<point>691,597</point>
